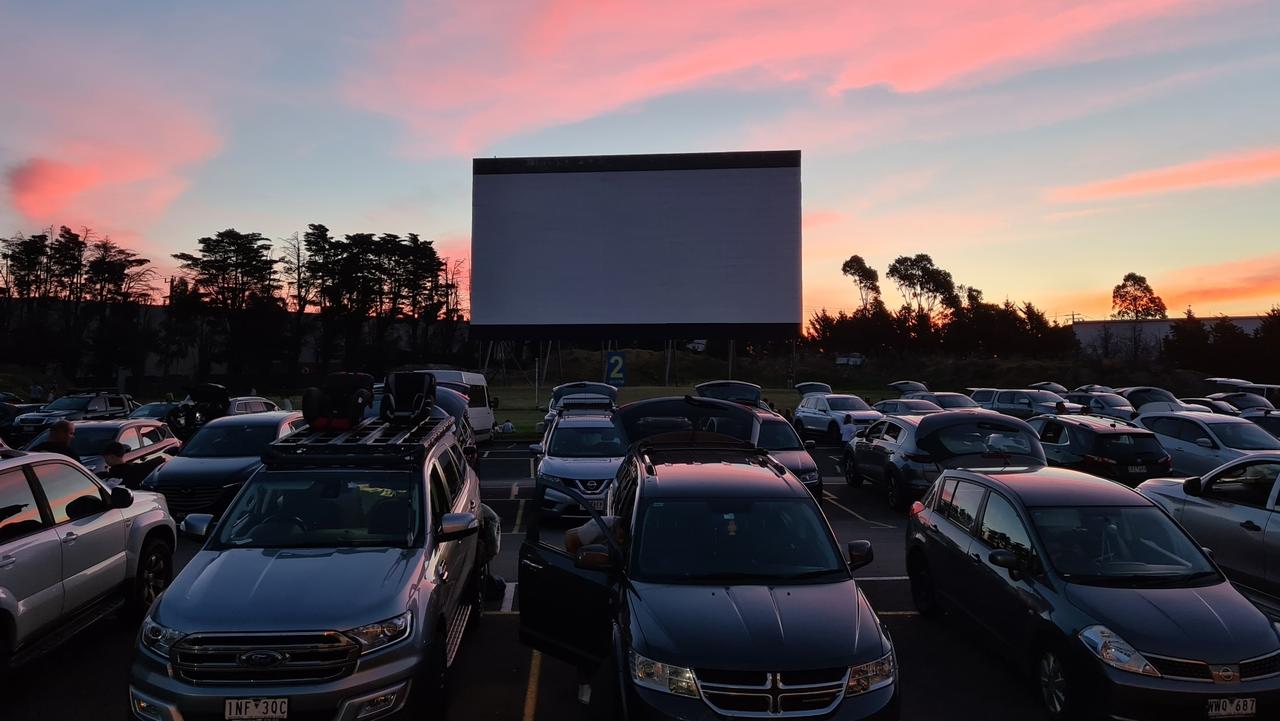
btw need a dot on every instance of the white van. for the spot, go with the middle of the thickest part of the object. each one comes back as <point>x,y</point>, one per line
<point>477,389</point>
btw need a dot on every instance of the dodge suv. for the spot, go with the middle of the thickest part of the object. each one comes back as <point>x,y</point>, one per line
<point>338,584</point>
<point>719,590</point>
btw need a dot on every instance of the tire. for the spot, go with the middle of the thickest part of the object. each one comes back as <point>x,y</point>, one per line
<point>896,493</point>
<point>155,572</point>
<point>833,433</point>
<point>852,476</point>
<point>924,595</point>
<point>1056,684</point>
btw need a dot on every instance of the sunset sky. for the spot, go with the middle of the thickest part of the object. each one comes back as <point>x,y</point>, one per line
<point>1038,150</point>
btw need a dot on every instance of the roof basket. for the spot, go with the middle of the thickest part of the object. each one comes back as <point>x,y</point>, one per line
<point>374,442</point>
<point>339,404</point>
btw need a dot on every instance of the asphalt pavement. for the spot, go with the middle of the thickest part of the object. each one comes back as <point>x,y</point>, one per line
<point>947,673</point>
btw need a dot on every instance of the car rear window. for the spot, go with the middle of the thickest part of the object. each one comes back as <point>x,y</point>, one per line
<point>1125,445</point>
<point>983,438</point>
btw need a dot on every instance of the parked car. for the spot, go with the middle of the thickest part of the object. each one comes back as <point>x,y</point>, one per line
<point>1022,403</point>
<point>727,595</point>
<point>583,451</point>
<point>1243,400</point>
<point>906,407</point>
<point>1049,386</point>
<point>835,417</point>
<point>339,585</point>
<point>1234,510</point>
<point>9,413</point>
<point>782,442</point>
<point>748,394</point>
<point>582,395</point>
<point>1200,442</point>
<point>145,438</point>
<point>81,406</point>
<point>1214,405</point>
<point>905,454</point>
<point>1102,403</point>
<point>945,400</point>
<point>1113,610</point>
<point>73,551</point>
<point>1268,421</point>
<point>1104,447</point>
<point>216,461</point>
<point>1148,399</point>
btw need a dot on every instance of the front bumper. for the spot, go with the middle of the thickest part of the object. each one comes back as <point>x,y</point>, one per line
<point>556,504</point>
<point>647,705</point>
<point>1131,697</point>
<point>169,699</point>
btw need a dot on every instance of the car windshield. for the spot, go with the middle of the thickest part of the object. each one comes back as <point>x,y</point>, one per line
<point>591,442</point>
<point>779,436</point>
<point>731,392</point>
<point>1122,546</point>
<point>1245,401</point>
<point>1271,424</point>
<point>86,442</point>
<point>1045,397</point>
<point>229,441</point>
<point>987,438</point>
<point>1245,437</point>
<point>847,403</point>
<point>954,400</point>
<point>325,509</point>
<point>919,405</point>
<point>1111,400</point>
<point>150,410</point>
<point>733,541</point>
<point>69,403</point>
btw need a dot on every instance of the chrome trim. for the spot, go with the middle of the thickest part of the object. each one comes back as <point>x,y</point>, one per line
<point>774,692</point>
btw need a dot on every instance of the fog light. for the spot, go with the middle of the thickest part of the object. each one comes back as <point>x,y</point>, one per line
<point>144,709</point>
<point>377,705</point>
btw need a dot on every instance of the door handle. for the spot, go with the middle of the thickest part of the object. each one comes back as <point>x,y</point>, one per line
<point>975,558</point>
<point>532,566</point>
<point>1250,526</point>
<point>70,537</point>
<point>6,561</point>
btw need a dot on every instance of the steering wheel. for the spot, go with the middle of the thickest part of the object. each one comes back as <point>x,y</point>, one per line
<point>284,518</point>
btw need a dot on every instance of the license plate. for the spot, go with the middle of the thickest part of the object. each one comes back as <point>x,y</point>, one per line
<point>1137,469</point>
<point>1232,707</point>
<point>598,505</point>
<point>256,708</point>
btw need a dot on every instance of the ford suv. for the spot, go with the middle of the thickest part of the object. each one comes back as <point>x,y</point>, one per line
<point>72,551</point>
<point>718,591</point>
<point>338,584</point>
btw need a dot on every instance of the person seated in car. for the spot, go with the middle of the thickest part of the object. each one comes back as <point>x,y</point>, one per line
<point>130,475</point>
<point>61,434</point>
<point>590,533</point>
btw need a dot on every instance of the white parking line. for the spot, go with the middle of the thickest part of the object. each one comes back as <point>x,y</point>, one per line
<point>508,597</point>
<point>519,518</point>
<point>831,499</point>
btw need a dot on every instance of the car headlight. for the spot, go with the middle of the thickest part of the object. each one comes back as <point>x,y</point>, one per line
<point>663,676</point>
<point>159,639</point>
<point>383,633</point>
<point>871,676</point>
<point>810,477</point>
<point>1115,652</point>
<point>548,478</point>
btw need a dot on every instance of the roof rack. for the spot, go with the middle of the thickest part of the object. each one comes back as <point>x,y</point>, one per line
<point>646,449</point>
<point>372,443</point>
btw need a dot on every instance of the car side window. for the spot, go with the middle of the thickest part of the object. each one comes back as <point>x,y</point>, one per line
<point>19,512</point>
<point>130,438</point>
<point>1167,427</point>
<point>963,510</point>
<point>115,403</point>
<point>152,436</point>
<point>1054,433</point>
<point>892,432</point>
<point>441,502</point>
<point>452,476</point>
<point>97,404</point>
<point>1190,431</point>
<point>1248,484</point>
<point>1002,528</point>
<point>874,431</point>
<point>71,494</point>
<point>1005,397</point>
<point>981,396</point>
<point>947,496</point>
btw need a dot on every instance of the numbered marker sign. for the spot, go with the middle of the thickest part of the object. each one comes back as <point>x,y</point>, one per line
<point>615,368</point>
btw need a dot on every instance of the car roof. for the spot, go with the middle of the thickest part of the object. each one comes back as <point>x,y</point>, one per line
<point>1196,416</point>
<point>1096,423</point>
<point>943,419</point>
<point>268,418</point>
<point>723,477</point>
<point>117,423</point>
<point>1051,486</point>
<point>584,419</point>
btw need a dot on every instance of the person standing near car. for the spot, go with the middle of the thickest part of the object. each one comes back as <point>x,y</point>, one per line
<point>60,436</point>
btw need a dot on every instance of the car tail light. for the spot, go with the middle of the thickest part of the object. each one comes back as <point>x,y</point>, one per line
<point>916,509</point>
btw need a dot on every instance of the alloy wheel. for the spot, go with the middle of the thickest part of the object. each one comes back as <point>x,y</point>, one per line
<point>154,576</point>
<point>1053,683</point>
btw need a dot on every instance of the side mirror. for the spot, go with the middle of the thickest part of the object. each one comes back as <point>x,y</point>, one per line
<point>121,497</point>
<point>196,525</point>
<point>535,449</point>
<point>594,558</point>
<point>860,554</point>
<point>455,526</point>
<point>1193,486</point>
<point>1008,560</point>
<point>810,445</point>
<point>1204,443</point>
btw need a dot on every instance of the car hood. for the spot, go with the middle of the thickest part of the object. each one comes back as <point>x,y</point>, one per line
<point>860,416</point>
<point>182,471</point>
<point>1214,624</point>
<point>798,462</point>
<point>755,628</point>
<point>580,469</point>
<point>43,415</point>
<point>254,589</point>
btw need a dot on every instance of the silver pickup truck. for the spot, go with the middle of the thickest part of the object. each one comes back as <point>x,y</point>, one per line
<point>73,551</point>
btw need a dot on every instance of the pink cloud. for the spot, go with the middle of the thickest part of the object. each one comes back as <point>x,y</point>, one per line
<point>1251,167</point>
<point>465,76</point>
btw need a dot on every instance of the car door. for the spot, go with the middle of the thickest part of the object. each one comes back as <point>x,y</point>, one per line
<point>1056,441</point>
<point>1200,459</point>
<point>821,414</point>
<point>92,533</point>
<point>1168,431</point>
<point>1007,604</point>
<point>30,556</point>
<point>1004,402</point>
<point>802,410</point>
<point>1232,516</point>
<point>564,610</point>
<point>959,507</point>
<point>464,498</point>
<point>131,438</point>
<point>448,561</point>
<point>863,453</point>
<point>885,448</point>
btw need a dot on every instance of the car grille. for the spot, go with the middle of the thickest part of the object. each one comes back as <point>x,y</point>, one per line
<point>287,658</point>
<point>1178,668</point>
<point>592,486</point>
<point>191,499</point>
<point>1260,667</point>
<point>758,694</point>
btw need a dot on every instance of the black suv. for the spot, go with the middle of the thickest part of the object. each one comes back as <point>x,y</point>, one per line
<point>75,406</point>
<point>719,591</point>
<point>1105,447</point>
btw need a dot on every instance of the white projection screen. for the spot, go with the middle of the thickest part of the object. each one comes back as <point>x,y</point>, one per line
<point>701,245</point>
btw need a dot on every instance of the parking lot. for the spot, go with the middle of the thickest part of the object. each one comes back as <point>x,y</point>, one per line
<point>946,672</point>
